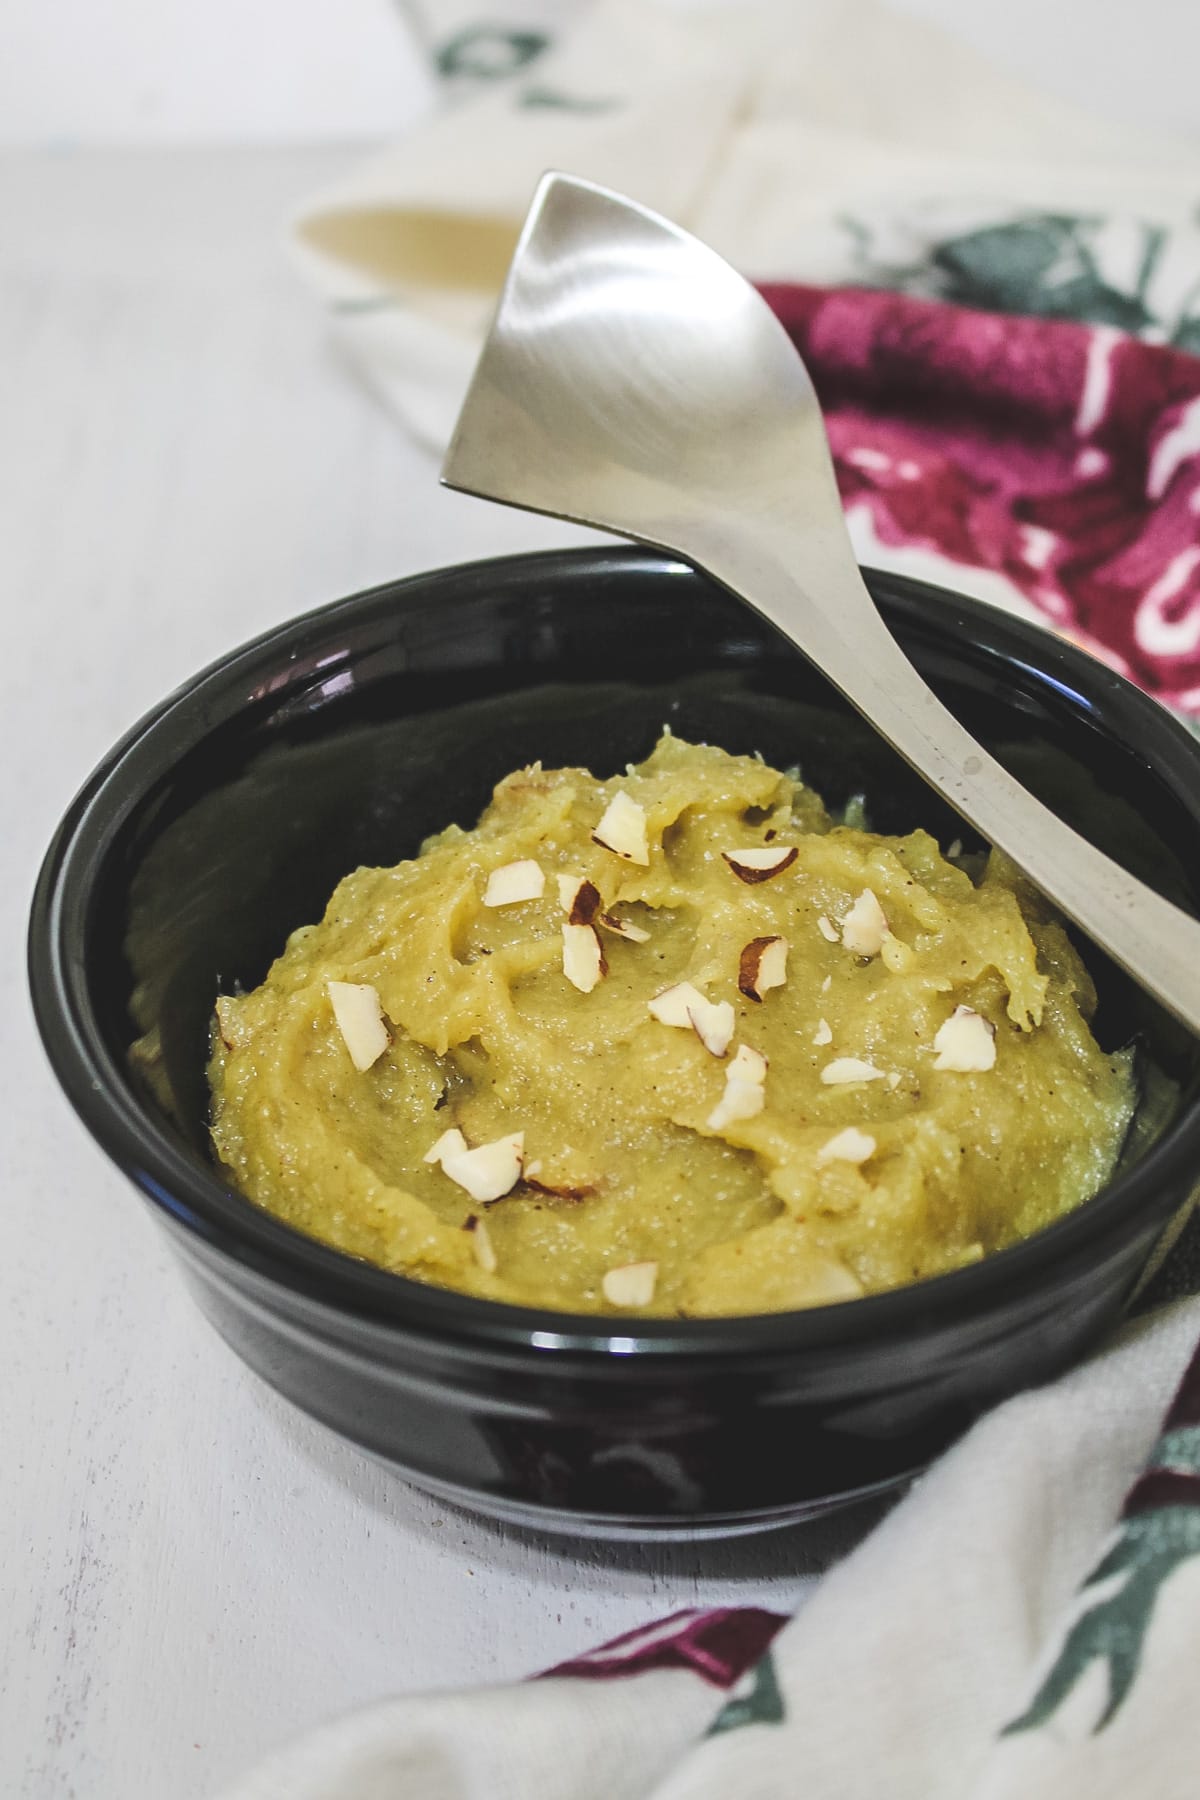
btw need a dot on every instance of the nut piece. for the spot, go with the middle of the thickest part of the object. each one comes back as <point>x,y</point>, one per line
<point>762,966</point>
<point>864,926</point>
<point>358,1015</point>
<point>623,830</point>
<point>845,1069</point>
<point>568,888</point>
<point>851,1145</point>
<point>632,1284</point>
<point>684,1006</point>
<point>966,1042</point>
<point>583,956</point>
<point>824,1032</point>
<point>759,864</point>
<point>827,929</point>
<point>743,1097</point>
<point>516,881</point>
<point>451,1143</point>
<point>580,898</point>
<point>482,1246</point>
<point>622,928</point>
<point>490,1170</point>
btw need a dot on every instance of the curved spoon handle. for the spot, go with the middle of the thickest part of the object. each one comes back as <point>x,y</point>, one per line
<point>1154,940</point>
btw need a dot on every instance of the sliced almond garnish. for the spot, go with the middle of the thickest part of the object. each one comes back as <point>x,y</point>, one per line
<point>622,928</point>
<point>966,1042</point>
<point>482,1247</point>
<point>760,863</point>
<point>671,1006</point>
<point>827,928</point>
<point>744,1096</point>
<point>622,830</point>
<point>762,966</point>
<point>358,1014</point>
<point>865,926</point>
<point>632,1284</point>
<point>851,1145</point>
<point>451,1143</point>
<point>712,1021</point>
<point>580,899</point>
<point>846,1069</point>
<point>516,881</point>
<point>827,984</point>
<point>583,957</point>
<point>490,1170</point>
<point>824,1032</point>
<point>684,1005</point>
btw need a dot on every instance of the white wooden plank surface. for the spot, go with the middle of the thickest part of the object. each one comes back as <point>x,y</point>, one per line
<point>189,1571</point>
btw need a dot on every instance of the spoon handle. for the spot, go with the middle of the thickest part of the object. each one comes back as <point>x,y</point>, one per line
<point>1154,940</point>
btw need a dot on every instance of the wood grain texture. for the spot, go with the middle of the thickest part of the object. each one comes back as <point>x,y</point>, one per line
<point>190,1572</point>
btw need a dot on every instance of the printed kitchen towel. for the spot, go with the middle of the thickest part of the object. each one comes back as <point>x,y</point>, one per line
<point>901,204</point>
<point>999,301</point>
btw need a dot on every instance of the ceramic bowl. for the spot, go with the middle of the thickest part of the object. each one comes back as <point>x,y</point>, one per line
<point>224,820</point>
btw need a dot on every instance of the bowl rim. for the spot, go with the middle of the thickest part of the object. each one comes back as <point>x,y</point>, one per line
<point>255,1247</point>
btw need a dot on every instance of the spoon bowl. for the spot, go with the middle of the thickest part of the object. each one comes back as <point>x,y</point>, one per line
<point>632,380</point>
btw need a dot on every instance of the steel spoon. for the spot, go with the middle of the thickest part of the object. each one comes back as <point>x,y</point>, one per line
<point>632,380</point>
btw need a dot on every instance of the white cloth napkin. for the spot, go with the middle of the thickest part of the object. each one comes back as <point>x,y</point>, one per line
<point>1025,1624</point>
<point>808,140</point>
<point>900,1675</point>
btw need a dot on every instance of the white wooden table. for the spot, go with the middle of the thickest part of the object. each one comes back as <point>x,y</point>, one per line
<point>189,1571</point>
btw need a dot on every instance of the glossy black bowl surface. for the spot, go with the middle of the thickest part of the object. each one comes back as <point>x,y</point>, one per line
<point>225,819</point>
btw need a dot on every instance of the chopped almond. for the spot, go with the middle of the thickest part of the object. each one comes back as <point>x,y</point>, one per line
<point>684,1005</point>
<point>851,1145</point>
<point>516,881</point>
<point>712,1021</point>
<point>490,1170</point>
<point>451,1143</point>
<point>582,903</point>
<point>358,1014</point>
<point>482,1247</point>
<point>846,1069</point>
<point>760,863</point>
<point>622,928</point>
<point>824,1032</point>
<point>827,928</point>
<point>743,1097</point>
<point>865,926</point>
<point>568,887</point>
<point>583,957</point>
<point>671,1006</point>
<point>632,1284</point>
<point>762,966</point>
<point>623,830</point>
<point>966,1042</point>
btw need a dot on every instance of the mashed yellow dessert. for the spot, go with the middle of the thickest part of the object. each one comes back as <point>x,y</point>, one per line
<point>673,1043</point>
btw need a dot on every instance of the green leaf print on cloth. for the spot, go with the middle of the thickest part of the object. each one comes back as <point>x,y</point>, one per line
<point>489,52</point>
<point>1150,1546</point>
<point>756,1700</point>
<point>1116,271</point>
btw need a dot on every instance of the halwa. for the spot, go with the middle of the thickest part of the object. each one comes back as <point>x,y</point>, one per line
<point>673,1043</point>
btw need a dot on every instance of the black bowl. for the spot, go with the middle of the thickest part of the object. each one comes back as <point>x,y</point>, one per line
<point>225,819</point>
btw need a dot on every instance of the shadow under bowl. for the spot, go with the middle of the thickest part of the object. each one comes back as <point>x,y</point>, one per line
<point>225,819</point>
